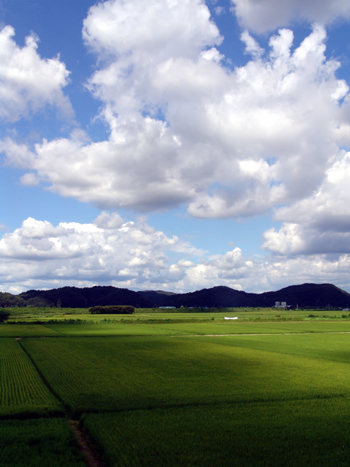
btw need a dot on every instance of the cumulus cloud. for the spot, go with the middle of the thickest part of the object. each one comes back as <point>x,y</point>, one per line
<point>267,273</point>
<point>185,128</point>
<point>136,256</point>
<point>148,29</point>
<point>28,82</point>
<point>252,47</point>
<point>266,15</point>
<point>109,250</point>
<point>319,223</point>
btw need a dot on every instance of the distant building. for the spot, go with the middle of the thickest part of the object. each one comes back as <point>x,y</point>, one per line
<point>281,305</point>
<point>166,307</point>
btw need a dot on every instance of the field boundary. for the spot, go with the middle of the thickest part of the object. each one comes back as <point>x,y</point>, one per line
<point>44,380</point>
<point>212,403</point>
<point>83,441</point>
<point>258,334</point>
<point>85,444</point>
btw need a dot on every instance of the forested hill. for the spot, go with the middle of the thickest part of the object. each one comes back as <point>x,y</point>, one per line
<point>74,297</point>
<point>216,297</point>
<point>309,295</point>
<point>305,295</point>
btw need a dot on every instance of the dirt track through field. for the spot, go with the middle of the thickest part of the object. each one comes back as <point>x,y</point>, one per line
<point>85,446</point>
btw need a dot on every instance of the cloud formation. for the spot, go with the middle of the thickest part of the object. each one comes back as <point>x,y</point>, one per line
<point>108,251</point>
<point>319,223</point>
<point>28,82</point>
<point>187,129</point>
<point>136,256</point>
<point>267,15</point>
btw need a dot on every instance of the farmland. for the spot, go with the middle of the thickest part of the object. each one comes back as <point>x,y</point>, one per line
<point>38,442</point>
<point>293,433</point>
<point>31,314</point>
<point>22,390</point>
<point>198,392</point>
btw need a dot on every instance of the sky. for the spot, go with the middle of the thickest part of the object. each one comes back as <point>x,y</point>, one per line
<point>174,144</point>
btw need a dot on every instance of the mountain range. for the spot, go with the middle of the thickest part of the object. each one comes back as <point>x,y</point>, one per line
<point>304,296</point>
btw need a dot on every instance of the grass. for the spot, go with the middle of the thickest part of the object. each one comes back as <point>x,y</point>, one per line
<point>113,373</point>
<point>43,312</point>
<point>195,327</point>
<point>32,314</point>
<point>25,330</point>
<point>138,327</point>
<point>293,433</point>
<point>23,393</point>
<point>154,391</point>
<point>39,442</point>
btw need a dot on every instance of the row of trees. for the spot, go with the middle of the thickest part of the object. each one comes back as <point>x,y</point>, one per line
<point>113,309</point>
<point>4,316</point>
<point>8,300</point>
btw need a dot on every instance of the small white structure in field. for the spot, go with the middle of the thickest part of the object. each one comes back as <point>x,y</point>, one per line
<point>231,318</point>
<point>281,304</point>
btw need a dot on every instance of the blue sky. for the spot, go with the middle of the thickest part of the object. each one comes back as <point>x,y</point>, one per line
<point>174,145</point>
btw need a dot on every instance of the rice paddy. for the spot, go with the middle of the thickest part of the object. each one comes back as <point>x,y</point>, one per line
<point>24,330</point>
<point>293,433</point>
<point>38,442</point>
<point>179,393</point>
<point>22,389</point>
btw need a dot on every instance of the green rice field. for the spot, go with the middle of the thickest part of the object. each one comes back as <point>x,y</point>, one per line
<point>199,328</point>
<point>191,393</point>
<point>30,314</point>
<point>293,433</point>
<point>114,373</point>
<point>173,328</point>
<point>25,330</point>
<point>38,442</point>
<point>22,389</point>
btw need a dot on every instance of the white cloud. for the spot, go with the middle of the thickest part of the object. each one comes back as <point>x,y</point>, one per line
<point>267,15</point>
<point>319,223</point>
<point>28,82</point>
<point>251,46</point>
<point>184,129</point>
<point>287,239</point>
<point>109,251</point>
<point>219,10</point>
<point>135,256</point>
<point>30,179</point>
<point>148,29</point>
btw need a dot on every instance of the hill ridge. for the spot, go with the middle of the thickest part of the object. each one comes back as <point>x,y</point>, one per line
<point>308,295</point>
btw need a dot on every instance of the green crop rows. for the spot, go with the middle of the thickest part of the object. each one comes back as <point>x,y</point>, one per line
<point>22,390</point>
<point>293,433</point>
<point>38,442</point>
<point>23,330</point>
<point>113,373</point>
<point>189,394</point>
